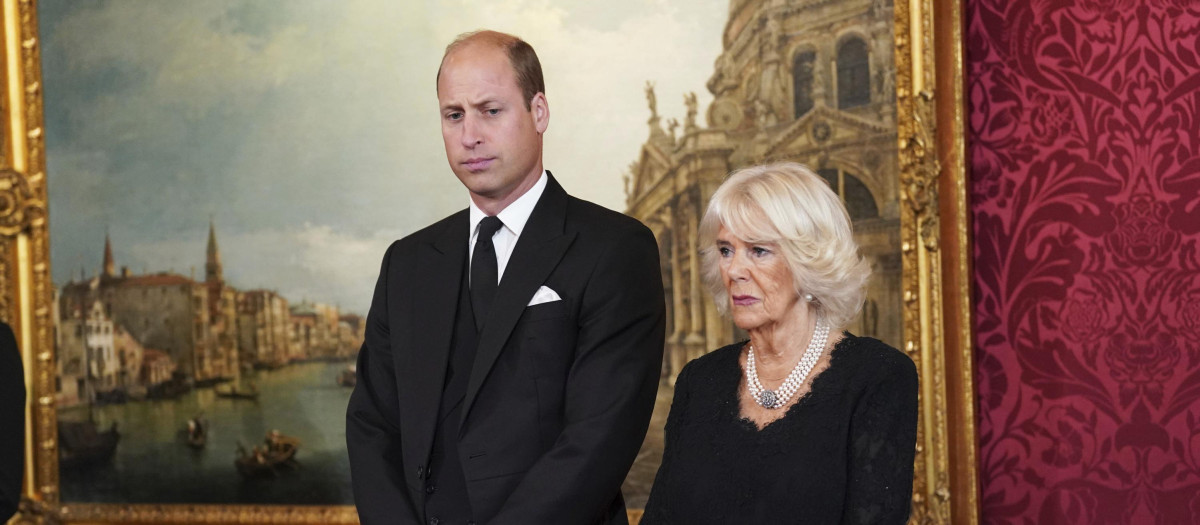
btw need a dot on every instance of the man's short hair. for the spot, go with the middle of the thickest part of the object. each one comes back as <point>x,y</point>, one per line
<point>521,57</point>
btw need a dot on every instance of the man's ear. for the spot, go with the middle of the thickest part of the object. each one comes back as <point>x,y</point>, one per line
<point>540,109</point>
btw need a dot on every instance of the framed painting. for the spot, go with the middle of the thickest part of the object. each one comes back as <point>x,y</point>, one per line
<point>194,199</point>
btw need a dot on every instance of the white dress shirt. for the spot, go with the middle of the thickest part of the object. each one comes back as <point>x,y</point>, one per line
<point>514,218</point>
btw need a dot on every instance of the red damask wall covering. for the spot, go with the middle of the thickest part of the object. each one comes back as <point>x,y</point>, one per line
<point>1084,139</point>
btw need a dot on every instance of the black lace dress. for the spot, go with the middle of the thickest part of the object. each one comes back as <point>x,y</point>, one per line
<point>842,454</point>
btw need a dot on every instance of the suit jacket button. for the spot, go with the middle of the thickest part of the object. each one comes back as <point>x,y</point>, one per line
<point>430,489</point>
<point>420,472</point>
<point>434,521</point>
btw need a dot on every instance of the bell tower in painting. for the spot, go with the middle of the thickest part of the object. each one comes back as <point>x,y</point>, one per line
<point>109,264</point>
<point>212,265</point>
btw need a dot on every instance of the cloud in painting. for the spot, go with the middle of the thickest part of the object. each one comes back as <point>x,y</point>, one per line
<point>308,130</point>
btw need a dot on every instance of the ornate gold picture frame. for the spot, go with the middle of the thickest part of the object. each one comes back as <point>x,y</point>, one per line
<point>935,259</point>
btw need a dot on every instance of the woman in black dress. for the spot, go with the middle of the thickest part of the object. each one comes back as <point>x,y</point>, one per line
<point>12,423</point>
<point>803,423</point>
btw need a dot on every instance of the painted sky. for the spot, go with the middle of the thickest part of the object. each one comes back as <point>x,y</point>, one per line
<point>308,130</point>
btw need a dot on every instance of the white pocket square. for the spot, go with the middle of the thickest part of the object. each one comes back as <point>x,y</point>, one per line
<point>544,295</point>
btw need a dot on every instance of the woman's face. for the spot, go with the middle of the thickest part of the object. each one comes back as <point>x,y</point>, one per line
<point>758,281</point>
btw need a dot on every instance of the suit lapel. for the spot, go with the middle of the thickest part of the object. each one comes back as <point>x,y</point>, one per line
<point>541,246</point>
<point>434,305</point>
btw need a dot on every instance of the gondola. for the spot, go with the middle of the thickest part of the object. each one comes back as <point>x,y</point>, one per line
<point>196,432</point>
<point>347,377</point>
<point>278,451</point>
<point>80,444</point>
<point>235,393</point>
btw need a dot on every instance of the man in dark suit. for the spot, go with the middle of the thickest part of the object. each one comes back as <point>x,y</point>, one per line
<point>513,349</point>
<point>12,423</point>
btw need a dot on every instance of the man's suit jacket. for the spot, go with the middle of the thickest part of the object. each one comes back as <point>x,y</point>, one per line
<point>12,423</point>
<point>560,393</point>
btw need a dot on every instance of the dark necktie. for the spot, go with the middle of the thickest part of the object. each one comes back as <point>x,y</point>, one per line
<point>484,275</point>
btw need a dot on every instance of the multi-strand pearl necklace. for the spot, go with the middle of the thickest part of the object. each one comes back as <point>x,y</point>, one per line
<point>780,397</point>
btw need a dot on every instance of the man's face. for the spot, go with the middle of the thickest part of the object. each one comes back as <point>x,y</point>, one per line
<point>493,143</point>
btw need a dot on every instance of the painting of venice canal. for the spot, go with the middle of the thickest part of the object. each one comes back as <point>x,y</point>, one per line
<point>154,462</point>
<point>174,389</point>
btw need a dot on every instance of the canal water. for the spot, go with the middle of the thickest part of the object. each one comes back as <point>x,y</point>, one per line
<point>153,463</point>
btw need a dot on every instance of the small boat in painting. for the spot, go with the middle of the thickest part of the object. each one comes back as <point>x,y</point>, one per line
<point>277,451</point>
<point>232,392</point>
<point>81,444</point>
<point>348,377</point>
<point>196,432</point>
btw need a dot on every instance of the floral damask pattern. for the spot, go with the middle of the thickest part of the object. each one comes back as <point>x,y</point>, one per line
<point>1084,137</point>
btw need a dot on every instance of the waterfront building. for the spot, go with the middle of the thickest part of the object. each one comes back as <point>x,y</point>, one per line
<point>130,354</point>
<point>90,365</point>
<point>301,328</point>
<point>157,368</point>
<point>165,311</point>
<point>351,331</point>
<point>70,382</point>
<point>314,330</point>
<point>207,330</point>
<point>263,322</point>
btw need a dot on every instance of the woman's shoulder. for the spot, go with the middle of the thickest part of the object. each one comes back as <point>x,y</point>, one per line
<point>714,362</point>
<point>874,358</point>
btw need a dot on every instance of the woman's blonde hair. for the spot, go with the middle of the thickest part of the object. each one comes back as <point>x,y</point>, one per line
<point>789,205</point>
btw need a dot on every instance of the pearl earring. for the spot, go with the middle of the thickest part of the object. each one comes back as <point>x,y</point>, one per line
<point>810,298</point>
